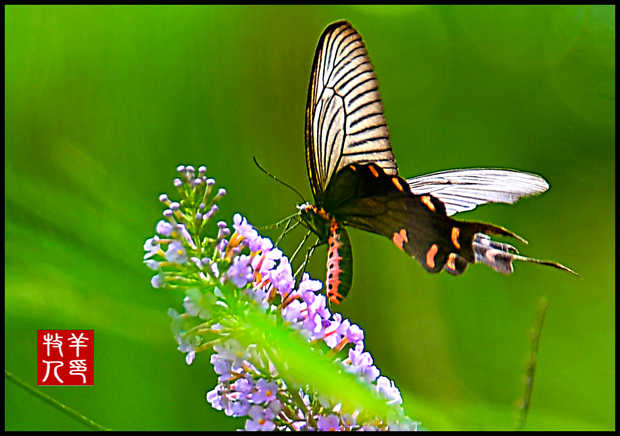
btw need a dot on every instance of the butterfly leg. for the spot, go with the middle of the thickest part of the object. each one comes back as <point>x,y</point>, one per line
<point>287,229</point>
<point>303,241</point>
<point>309,253</point>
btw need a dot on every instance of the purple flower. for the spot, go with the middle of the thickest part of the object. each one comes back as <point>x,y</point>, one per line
<point>164,228</point>
<point>293,312</point>
<point>401,422</point>
<point>359,357</point>
<point>241,407</point>
<point>355,334</point>
<point>319,305</point>
<point>190,356</point>
<point>158,281</point>
<point>261,419</point>
<point>223,230</point>
<point>176,253</point>
<point>210,213</point>
<point>244,386</point>
<point>164,199</point>
<point>331,331</point>
<point>308,297</point>
<point>369,373</point>
<point>215,270</point>
<point>266,392</point>
<point>313,326</point>
<point>153,264</point>
<point>194,306</point>
<point>348,420</point>
<point>259,294</point>
<point>187,343</point>
<point>336,330</point>
<point>220,193</point>
<point>152,246</point>
<point>328,423</point>
<point>240,272</point>
<point>266,261</point>
<point>259,244</point>
<point>307,286</point>
<point>361,363</point>
<point>232,350</point>
<point>196,261</point>
<point>387,388</point>
<point>181,230</point>
<point>282,277</point>
<point>219,400</point>
<point>221,366</point>
<point>241,226</point>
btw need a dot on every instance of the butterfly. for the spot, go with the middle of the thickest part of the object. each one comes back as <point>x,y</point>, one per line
<point>355,182</point>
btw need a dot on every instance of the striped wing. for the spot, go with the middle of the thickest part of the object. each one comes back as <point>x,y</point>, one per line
<point>344,114</point>
<point>462,190</point>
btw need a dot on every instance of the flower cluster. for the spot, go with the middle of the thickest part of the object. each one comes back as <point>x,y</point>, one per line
<point>227,278</point>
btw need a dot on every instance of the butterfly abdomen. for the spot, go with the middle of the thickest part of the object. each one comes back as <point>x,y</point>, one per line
<point>339,263</point>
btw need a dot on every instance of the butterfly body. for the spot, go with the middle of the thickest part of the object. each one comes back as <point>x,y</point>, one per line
<point>355,182</point>
<point>330,231</point>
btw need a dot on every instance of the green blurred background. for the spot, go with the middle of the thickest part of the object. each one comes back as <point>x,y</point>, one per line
<point>102,104</point>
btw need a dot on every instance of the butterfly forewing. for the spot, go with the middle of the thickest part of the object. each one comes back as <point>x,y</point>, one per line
<point>344,115</point>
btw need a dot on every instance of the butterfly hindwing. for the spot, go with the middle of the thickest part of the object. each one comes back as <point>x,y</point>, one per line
<point>464,189</point>
<point>363,196</point>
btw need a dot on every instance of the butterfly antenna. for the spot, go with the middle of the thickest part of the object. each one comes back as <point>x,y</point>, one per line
<point>279,223</point>
<point>278,180</point>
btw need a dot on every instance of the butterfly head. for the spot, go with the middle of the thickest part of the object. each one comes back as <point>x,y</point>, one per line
<point>315,219</point>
